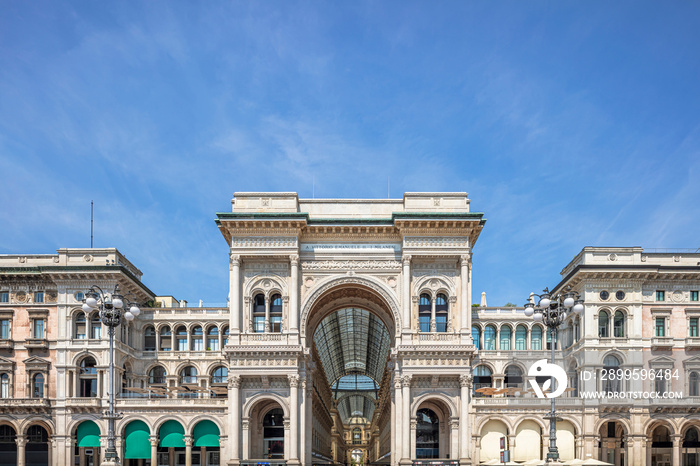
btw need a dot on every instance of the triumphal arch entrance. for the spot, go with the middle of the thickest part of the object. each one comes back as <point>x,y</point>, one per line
<point>350,329</point>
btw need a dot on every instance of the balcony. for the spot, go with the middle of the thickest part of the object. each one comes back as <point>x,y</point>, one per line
<point>6,344</point>
<point>253,338</point>
<point>436,337</point>
<point>36,343</point>
<point>170,403</point>
<point>84,405</point>
<point>692,343</point>
<point>25,405</point>
<point>661,343</point>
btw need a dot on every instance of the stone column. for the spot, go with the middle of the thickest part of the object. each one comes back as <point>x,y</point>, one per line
<point>235,293</point>
<point>406,415</point>
<point>465,382</point>
<point>433,322</point>
<point>21,441</point>
<point>294,294</point>
<point>293,418</point>
<point>267,314</point>
<point>287,443</point>
<point>464,304</point>
<point>303,426</point>
<point>154,449</point>
<point>188,450</point>
<point>454,437</point>
<point>406,292</point>
<point>309,396</point>
<point>234,385</point>
<point>245,432</point>
<point>648,452</point>
<point>414,428</point>
<point>396,425</point>
<point>676,455</point>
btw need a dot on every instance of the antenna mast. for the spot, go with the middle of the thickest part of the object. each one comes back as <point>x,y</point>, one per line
<point>91,223</point>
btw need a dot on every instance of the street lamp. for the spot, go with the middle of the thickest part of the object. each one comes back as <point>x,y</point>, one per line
<point>552,310</point>
<point>112,310</point>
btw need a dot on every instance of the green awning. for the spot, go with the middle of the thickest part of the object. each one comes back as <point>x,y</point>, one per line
<point>206,434</point>
<point>88,434</point>
<point>172,434</point>
<point>136,441</point>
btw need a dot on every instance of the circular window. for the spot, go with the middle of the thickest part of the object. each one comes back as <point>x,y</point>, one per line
<point>620,295</point>
<point>604,295</point>
<point>79,295</point>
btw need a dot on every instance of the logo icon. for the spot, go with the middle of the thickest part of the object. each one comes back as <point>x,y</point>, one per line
<point>542,368</point>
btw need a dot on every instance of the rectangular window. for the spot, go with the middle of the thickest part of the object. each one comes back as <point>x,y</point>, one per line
<point>660,327</point>
<point>165,344</point>
<point>5,329</point>
<point>5,297</point>
<point>39,329</point>
<point>276,324</point>
<point>182,344</point>
<point>39,297</point>
<point>96,331</point>
<point>213,344</point>
<point>259,324</point>
<point>424,324</point>
<point>693,330</point>
<point>197,344</point>
<point>660,295</point>
<point>694,296</point>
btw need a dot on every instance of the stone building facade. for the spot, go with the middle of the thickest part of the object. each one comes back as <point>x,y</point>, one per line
<point>349,334</point>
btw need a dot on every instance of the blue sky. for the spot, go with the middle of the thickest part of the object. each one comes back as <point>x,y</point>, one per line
<point>570,124</point>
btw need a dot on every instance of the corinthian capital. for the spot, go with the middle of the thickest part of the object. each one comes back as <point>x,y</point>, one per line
<point>465,380</point>
<point>235,260</point>
<point>406,259</point>
<point>293,380</point>
<point>465,259</point>
<point>294,259</point>
<point>406,380</point>
<point>234,381</point>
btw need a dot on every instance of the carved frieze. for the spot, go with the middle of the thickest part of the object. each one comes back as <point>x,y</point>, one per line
<point>436,242</point>
<point>351,265</point>
<point>264,242</point>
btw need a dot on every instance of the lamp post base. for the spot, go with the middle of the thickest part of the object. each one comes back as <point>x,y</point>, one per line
<point>110,462</point>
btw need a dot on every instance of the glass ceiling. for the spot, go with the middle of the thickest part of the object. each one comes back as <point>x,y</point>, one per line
<point>353,345</point>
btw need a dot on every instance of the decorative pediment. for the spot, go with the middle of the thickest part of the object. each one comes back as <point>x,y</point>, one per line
<point>6,365</point>
<point>692,363</point>
<point>662,361</point>
<point>37,313</point>
<point>37,364</point>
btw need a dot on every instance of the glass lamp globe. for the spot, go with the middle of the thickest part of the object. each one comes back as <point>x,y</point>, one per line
<point>545,302</point>
<point>135,310</point>
<point>91,301</point>
<point>128,316</point>
<point>537,317</point>
<point>529,310</point>
<point>568,302</point>
<point>117,303</point>
<point>578,308</point>
<point>86,308</point>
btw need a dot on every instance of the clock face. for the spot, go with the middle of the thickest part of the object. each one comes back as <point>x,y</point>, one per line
<point>604,295</point>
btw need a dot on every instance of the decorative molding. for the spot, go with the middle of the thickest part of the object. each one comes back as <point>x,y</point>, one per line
<point>235,260</point>
<point>465,380</point>
<point>436,242</point>
<point>348,264</point>
<point>264,242</point>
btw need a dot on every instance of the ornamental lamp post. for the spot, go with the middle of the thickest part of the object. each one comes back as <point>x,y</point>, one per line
<point>552,310</point>
<point>111,308</point>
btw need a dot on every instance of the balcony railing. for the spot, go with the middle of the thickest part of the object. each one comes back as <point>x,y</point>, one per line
<point>661,342</point>
<point>7,344</point>
<point>692,342</point>
<point>36,343</point>
<point>264,337</point>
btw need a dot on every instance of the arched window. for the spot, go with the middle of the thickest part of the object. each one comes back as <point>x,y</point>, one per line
<point>427,434</point>
<point>490,338</point>
<point>619,324</point>
<point>213,338</point>
<point>482,379</point>
<point>504,343</point>
<point>95,326</point>
<point>166,339</point>
<point>38,386</point>
<point>4,386</point>
<point>513,378</point>
<point>259,313</point>
<point>225,336</point>
<point>661,438</point>
<point>189,375</point>
<point>8,446</point>
<point>694,384</point>
<point>80,326</point>
<point>181,338</point>
<point>276,313</point>
<point>273,434</point>
<point>691,440</point>
<point>156,376</point>
<point>88,378</point>
<point>197,338</point>
<point>424,313</point>
<point>521,338</point>
<point>476,337</point>
<point>356,436</point>
<point>603,324</point>
<point>219,375</point>
<point>149,338</point>
<point>611,383</point>
<point>536,338</point>
<point>441,313</point>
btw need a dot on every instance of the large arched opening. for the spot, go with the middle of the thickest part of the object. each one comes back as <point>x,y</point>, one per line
<point>613,443</point>
<point>349,325</point>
